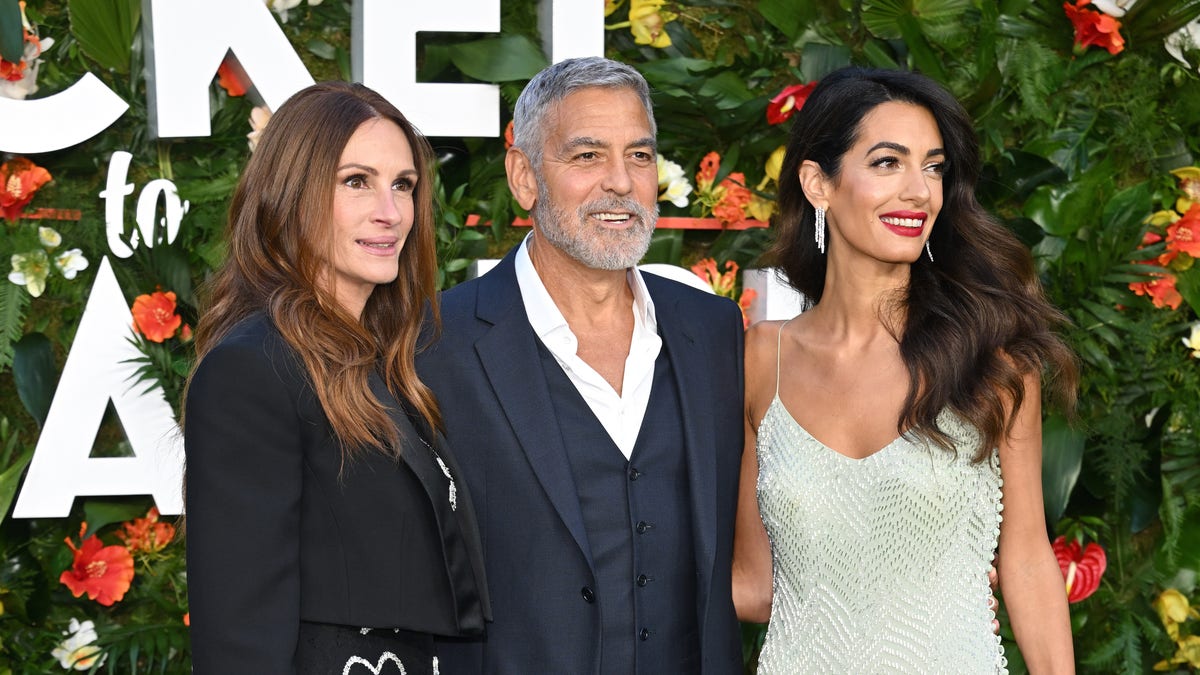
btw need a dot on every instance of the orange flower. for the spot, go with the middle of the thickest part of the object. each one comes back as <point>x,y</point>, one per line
<point>1081,568</point>
<point>1094,28</point>
<point>708,171</point>
<point>187,619</point>
<point>147,535</point>
<point>21,179</point>
<point>722,284</point>
<point>744,302</point>
<point>787,102</point>
<point>103,572</point>
<point>735,196</point>
<point>1161,291</point>
<point>1184,234</point>
<point>508,135</point>
<point>232,78</point>
<point>154,315</point>
<point>13,72</point>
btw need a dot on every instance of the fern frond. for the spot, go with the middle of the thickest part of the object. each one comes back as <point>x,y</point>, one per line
<point>13,302</point>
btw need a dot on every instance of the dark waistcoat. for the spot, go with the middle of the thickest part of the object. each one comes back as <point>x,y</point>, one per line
<point>638,526</point>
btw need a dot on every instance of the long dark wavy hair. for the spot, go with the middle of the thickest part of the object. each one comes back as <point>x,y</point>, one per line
<point>280,241</point>
<point>976,320</point>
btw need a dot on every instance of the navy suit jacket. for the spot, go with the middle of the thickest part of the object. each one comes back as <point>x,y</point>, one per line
<point>487,374</point>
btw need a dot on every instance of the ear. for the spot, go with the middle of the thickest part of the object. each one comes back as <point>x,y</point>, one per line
<point>815,184</point>
<point>521,180</point>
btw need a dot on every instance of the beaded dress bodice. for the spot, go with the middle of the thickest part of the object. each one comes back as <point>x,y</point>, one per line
<point>880,564</point>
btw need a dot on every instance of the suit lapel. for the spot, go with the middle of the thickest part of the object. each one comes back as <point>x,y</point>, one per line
<point>689,361</point>
<point>512,364</point>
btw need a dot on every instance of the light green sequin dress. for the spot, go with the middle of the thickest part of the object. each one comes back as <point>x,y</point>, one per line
<point>880,564</point>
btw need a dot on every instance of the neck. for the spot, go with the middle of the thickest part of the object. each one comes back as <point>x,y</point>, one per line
<point>584,295</point>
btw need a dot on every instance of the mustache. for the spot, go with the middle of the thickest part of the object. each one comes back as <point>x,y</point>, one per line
<point>611,203</point>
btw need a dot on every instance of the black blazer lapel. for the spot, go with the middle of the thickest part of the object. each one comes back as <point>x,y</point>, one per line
<point>690,360</point>
<point>508,352</point>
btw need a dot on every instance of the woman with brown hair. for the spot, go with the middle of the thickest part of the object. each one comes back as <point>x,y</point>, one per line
<point>881,419</point>
<point>326,523</point>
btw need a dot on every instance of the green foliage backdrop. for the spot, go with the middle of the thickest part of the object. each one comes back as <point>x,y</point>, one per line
<point>1079,137</point>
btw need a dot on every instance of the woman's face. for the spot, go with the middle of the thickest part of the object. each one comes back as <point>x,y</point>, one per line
<point>372,212</point>
<point>889,192</point>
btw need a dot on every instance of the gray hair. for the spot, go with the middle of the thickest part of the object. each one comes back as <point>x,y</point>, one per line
<point>560,80</point>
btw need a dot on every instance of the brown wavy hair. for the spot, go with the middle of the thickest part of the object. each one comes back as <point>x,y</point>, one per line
<point>280,240</point>
<point>976,320</point>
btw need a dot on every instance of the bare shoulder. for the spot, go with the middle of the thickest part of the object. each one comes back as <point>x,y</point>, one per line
<point>762,348</point>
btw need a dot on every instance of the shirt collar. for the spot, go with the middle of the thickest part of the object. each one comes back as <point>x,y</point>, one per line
<point>545,317</point>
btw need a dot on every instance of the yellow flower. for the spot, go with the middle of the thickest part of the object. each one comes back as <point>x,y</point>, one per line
<point>760,208</point>
<point>1189,653</point>
<point>1172,607</point>
<point>1189,183</point>
<point>773,166</point>
<point>648,23</point>
<point>611,6</point>
<point>1162,218</point>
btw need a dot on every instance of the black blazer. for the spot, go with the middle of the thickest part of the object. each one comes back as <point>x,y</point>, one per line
<point>487,372</point>
<point>278,531</point>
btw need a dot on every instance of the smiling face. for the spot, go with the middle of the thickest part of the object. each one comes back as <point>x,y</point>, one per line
<point>372,212</point>
<point>884,201</point>
<point>596,195</point>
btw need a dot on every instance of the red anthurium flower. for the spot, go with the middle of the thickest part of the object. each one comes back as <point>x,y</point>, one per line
<point>1082,569</point>
<point>1094,28</point>
<point>20,179</point>
<point>1184,234</point>
<point>154,315</point>
<point>103,572</point>
<point>787,102</point>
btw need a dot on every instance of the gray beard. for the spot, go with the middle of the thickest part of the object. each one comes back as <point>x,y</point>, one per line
<point>596,248</point>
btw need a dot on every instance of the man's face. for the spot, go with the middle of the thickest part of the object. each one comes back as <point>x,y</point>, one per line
<point>597,197</point>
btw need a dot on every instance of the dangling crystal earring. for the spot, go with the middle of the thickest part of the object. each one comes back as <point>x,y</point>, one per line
<point>820,228</point>
<point>929,250</point>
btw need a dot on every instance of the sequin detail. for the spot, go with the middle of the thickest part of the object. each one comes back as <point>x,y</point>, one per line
<point>880,564</point>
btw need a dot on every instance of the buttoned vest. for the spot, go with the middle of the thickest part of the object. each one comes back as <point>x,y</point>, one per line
<point>638,526</point>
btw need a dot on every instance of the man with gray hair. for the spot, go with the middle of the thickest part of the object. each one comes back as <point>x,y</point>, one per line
<point>596,410</point>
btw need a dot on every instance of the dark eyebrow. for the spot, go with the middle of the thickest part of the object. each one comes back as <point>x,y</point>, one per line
<point>373,171</point>
<point>896,147</point>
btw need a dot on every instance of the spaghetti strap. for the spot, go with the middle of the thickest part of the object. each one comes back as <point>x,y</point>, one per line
<point>778,353</point>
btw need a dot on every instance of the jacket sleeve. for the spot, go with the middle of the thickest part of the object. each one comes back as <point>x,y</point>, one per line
<point>243,442</point>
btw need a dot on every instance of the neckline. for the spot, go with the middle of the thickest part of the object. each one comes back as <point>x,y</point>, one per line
<point>857,460</point>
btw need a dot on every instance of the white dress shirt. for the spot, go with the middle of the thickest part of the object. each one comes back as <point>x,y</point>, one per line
<point>620,414</point>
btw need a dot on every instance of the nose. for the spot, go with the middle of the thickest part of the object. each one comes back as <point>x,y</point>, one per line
<point>617,178</point>
<point>387,210</point>
<point>916,186</point>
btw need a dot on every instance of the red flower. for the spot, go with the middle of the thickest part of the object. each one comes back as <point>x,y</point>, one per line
<point>1081,569</point>
<point>232,78</point>
<point>103,572</point>
<point>1094,28</point>
<point>1184,234</point>
<point>787,102</point>
<point>154,315</point>
<point>508,135</point>
<point>13,72</point>
<point>744,302</point>
<point>147,534</point>
<point>1161,291</point>
<point>20,180</point>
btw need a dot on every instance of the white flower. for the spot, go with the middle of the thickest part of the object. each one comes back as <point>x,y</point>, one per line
<point>259,117</point>
<point>28,83</point>
<point>673,185</point>
<point>1192,341</point>
<point>77,651</point>
<point>30,270</point>
<point>70,262</point>
<point>49,237</point>
<point>281,7</point>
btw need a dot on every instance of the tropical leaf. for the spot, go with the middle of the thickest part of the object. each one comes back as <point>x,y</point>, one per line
<point>13,301</point>
<point>12,33</point>
<point>502,59</point>
<point>1062,458</point>
<point>105,29</point>
<point>35,374</point>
